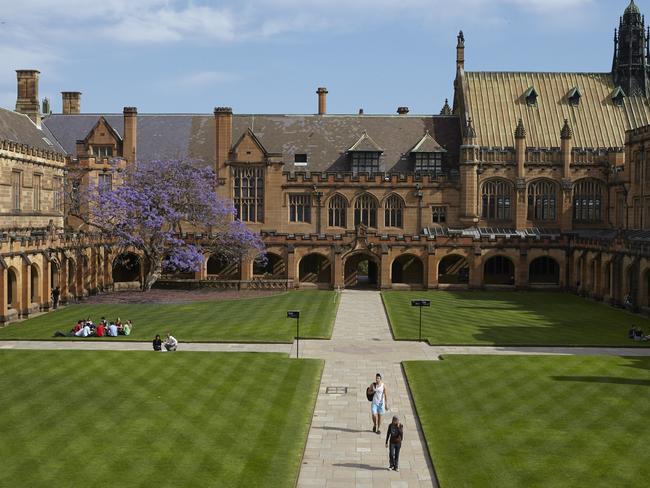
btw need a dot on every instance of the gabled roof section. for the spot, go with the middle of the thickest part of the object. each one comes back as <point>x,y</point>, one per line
<point>365,144</point>
<point>428,145</point>
<point>249,134</point>
<point>100,121</point>
<point>493,100</point>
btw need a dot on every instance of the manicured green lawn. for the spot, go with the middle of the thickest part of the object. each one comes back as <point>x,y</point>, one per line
<point>552,422</point>
<point>145,419</point>
<point>510,318</point>
<point>250,320</point>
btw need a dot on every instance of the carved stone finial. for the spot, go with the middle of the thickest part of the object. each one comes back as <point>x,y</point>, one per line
<point>446,109</point>
<point>566,132</point>
<point>520,131</point>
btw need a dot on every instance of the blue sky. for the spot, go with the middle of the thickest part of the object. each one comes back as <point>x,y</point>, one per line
<point>269,56</point>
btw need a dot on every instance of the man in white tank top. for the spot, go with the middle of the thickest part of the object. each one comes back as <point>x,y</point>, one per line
<point>379,402</point>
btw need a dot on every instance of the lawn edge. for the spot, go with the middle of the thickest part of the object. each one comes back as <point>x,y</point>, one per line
<point>417,420</point>
<point>387,313</point>
<point>311,421</point>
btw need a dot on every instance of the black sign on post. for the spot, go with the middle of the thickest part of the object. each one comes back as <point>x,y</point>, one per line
<point>420,304</point>
<point>295,314</point>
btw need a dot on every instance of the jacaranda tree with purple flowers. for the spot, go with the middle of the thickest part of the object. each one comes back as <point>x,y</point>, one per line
<point>157,205</point>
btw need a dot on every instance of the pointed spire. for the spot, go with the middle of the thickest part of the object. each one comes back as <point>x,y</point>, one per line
<point>566,132</point>
<point>460,52</point>
<point>446,109</point>
<point>520,131</point>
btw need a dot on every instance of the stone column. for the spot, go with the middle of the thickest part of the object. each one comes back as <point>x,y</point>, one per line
<point>566,196</point>
<point>521,207</point>
<point>3,294</point>
<point>432,268</point>
<point>337,266</point>
<point>384,271</point>
<point>475,263</point>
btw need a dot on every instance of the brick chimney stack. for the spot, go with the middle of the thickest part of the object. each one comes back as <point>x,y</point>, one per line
<point>223,128</point>
<point>71,102</point>
<point>322,100</point>
<point>130,136</point>
<point>27,101</point>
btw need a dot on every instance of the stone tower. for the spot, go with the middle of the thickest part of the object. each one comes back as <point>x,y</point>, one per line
<point>630,66</point>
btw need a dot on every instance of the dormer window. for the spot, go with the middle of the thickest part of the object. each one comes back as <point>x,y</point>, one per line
<point>365,162</point>
<point>365,155</point>
<point>574,96</point>
<point>618,96</point>
<point>428,156</point>
<point>531,96</point>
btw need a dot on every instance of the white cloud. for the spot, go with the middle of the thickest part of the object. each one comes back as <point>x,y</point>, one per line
<point>204,78</point>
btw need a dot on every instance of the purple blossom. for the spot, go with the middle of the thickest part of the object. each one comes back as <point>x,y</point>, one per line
<point>155,207</point>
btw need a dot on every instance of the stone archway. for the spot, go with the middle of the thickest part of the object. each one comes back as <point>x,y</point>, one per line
<point>362,271</point>
<point>35,284</point>
<point>273,267</point>
<point>126,268</point>
<point>499,270</point>
<point>222,268</point>
<point>13,293</point>
<point>316,270</point>
<point>408,270</point>
<point>453,270</point>
<point>544,271</point>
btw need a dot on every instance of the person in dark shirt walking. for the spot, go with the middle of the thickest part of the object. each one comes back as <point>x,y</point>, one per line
<point>56,293</point>
<point>394,438</point>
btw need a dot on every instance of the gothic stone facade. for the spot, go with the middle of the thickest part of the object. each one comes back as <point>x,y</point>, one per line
<point>524,182</point>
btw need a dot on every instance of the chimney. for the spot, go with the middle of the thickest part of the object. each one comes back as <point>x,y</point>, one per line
<point>28,102</point>
<point>322,100</point>
<point>402,110</point>
<point>130,135</point>
<point>71,102</point>
<point>223,127</point>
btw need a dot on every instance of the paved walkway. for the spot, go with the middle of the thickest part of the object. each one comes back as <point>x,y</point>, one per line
<point>342,451</point>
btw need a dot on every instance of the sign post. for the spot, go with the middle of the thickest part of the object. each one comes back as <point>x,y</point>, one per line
<point>420,304</point>
<point>295,314</point>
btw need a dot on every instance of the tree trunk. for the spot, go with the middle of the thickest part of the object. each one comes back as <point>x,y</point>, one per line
<point>154,274</point>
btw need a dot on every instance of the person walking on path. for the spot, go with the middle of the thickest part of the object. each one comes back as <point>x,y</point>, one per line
<point>56,293</point>
<point>394,437</point>
<point>379,403</point>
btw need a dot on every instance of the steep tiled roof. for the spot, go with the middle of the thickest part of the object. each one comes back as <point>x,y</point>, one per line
<point>20,128</point>
<point>324,138</point>
<point>427,145</point>
<point>496,101</point>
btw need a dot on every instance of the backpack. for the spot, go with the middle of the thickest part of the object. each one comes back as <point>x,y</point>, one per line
<point>370,394</point>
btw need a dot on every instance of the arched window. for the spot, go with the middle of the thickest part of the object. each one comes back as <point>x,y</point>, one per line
<point>587,201</point>
<point>497,202</point>
<point>542,200</point>
<point>394,211</point>
<point>365,210</point>
<point>338,208</point>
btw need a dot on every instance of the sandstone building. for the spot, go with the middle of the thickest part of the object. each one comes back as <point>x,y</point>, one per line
<point>527,180</point>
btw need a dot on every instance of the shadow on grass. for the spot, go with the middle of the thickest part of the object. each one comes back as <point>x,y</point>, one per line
<point>603,379</point>
<point>360,466</point>
<point>640,363</point>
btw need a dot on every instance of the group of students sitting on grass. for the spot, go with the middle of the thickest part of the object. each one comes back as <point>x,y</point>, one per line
<point>87,328</point>
<point>636,334</point>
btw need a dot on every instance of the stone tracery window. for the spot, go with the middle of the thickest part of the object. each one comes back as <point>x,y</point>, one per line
<point>587,201</point>
<point>542,201</point>
<point>497,200</point>
<point>394,211</point>
<point>337,211</point>
<point>365,210</point>
<point>249,193</point>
